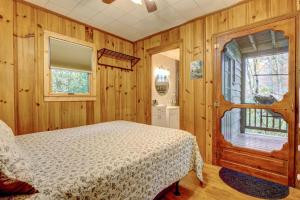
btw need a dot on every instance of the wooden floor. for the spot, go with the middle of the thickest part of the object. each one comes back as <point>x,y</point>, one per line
<point>214,188</point>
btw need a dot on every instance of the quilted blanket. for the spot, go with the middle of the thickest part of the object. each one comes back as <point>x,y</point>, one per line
<point>109,161</point>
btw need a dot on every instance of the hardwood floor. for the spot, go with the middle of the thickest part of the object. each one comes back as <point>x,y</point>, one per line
<point>214,188</point>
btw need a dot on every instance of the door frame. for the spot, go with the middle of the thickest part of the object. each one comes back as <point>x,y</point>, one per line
<point>159,49</point>
<point>293,92</point>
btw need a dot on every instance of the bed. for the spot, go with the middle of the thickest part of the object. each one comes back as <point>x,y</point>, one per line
<point>117,160</point>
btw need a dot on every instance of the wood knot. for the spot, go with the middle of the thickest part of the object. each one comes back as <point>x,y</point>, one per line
<point>24,16</point>
<point>107,88</point>
<point>1,17</point>
<point>37,104</point>
<point>40,26</point>
<point>125,93</point>
<point>253,17</point>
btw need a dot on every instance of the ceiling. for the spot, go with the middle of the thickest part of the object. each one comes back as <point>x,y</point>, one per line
<point>173,54</point>
<point>132,21</point>
<point>262,42</point>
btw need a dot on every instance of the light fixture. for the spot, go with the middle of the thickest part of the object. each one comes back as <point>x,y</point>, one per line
<point>160,71</point>
<point>137,2</point>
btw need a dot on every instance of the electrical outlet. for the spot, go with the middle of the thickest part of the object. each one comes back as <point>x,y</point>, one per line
<point>298,177</point>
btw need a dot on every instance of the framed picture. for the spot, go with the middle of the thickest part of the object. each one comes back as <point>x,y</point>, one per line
<point>196,69</point>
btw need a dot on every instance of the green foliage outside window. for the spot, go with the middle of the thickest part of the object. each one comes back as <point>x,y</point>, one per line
<point>68,81</point>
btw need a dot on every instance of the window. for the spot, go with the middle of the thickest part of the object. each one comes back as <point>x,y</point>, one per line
<point>69,81</point>
<point>255,72</point>
<point>69,72</point>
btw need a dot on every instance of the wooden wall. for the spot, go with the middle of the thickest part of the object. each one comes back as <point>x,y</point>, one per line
<point>7,111</point>
<point>196,38</point>
<point>22,104</point>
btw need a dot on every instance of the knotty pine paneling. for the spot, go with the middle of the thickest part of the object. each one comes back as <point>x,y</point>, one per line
<point>116,89</point>
<point>7,67</point>
<point>197,43</point>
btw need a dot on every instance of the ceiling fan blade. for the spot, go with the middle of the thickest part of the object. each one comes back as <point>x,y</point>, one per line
<point>151,5</point>
<point>108,1</point>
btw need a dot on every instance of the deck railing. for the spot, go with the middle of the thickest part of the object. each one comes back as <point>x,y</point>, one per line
<point>265,120</point>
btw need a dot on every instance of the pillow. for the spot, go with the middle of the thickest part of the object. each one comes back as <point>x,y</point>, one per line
<point>9,185</point>
<point>11,156</point>
<point>6,131</point>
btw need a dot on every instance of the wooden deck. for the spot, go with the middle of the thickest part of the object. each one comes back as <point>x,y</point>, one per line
<point>214,188</point>
<point>258,142</point>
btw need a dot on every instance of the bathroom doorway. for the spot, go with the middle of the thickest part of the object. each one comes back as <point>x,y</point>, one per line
<point>165,88</point>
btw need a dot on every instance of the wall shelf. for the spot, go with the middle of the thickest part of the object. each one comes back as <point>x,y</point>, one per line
<point>117,55</point>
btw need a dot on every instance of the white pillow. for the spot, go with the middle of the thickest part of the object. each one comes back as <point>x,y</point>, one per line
<point>11,155</point>
<point>5,131</point>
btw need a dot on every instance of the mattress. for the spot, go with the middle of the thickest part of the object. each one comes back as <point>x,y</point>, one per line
<point>109,161</point>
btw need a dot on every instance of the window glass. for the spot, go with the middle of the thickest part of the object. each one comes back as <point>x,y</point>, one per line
<point>69,81</point>
<point>258,129</point>
<point>255,68</point>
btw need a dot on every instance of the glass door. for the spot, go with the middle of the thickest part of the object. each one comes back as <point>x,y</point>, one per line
<point>254,101</point>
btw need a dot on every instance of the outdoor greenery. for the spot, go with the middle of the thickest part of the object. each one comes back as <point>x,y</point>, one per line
<point>266,76</point>
<point>69,81</point>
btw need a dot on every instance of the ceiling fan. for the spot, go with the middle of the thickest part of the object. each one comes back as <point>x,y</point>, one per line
<point>150,4</point>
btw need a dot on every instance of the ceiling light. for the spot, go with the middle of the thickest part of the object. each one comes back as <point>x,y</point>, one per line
<point>137,2</point>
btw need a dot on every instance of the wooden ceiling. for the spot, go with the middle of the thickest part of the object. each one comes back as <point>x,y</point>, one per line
<point>262,41</point>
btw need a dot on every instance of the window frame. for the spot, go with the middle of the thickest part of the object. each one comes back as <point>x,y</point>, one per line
<point>48,95</point>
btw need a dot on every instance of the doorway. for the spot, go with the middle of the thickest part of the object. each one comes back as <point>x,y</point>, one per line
<point>255,101</point>
<point>165,88</point>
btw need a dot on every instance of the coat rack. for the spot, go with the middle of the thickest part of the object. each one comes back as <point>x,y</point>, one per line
<point>116,55</point>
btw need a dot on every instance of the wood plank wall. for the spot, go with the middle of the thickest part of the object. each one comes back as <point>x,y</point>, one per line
<point>196,37</point>
<point>7,112</point>
<point>21,74</point>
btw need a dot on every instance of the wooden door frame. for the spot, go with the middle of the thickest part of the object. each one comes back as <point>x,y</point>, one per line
<point>293,92</point>
<point>159,49</point>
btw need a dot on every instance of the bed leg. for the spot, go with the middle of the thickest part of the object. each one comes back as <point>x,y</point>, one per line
<point>201,184</point>
<point>177,192</point>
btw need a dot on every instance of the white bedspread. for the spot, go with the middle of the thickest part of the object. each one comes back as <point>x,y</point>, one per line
<point>110,161</point>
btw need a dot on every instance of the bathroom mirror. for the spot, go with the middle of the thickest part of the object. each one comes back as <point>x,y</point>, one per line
<point>162,81</point>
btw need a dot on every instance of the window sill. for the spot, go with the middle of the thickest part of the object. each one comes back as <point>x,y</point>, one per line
<point>69,98</point>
